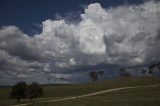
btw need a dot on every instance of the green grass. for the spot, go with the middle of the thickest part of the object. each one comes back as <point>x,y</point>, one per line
<point>4,93</point>
<point>121,98</point>
<point>73,90</point>
<point>129,97</point>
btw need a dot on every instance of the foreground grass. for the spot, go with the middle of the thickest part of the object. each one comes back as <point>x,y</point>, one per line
<point>4,93</point>
<point>75,90</point>
<point>129,97</point>
<point>54,92</point>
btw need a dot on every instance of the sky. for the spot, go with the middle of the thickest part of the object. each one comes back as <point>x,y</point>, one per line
<point>28,14</point>
<point>53,39</point>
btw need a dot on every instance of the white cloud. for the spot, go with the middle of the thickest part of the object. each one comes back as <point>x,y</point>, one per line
<point>127,35</point>
<point>72,61</point>
<point>90,38</point>
<point>120,33</point>
<point>47,67</point>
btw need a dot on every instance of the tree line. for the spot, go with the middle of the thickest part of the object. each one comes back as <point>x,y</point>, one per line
<point>150,69</point>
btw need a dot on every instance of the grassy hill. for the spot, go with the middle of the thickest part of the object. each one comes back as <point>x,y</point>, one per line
<point>129,97</point>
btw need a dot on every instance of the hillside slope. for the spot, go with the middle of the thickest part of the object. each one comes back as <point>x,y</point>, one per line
<point>54,92</point>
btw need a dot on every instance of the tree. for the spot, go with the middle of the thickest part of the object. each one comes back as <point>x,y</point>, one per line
<point>152,67</point>
<point>100,73</point>
<point>124,73</point>
<point>93,75</point>
<point>34,91</point>
<point>150,72</point>
<point>19,91</point>
<point>143,71</point>
<point>62,79</point>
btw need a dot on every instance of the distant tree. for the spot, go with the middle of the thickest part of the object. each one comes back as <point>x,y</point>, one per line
<point>124,73</point>
<point>150,72</point>
<point>100,73</point>
<point>93,75</point>
<point>34,91</point>
<point>157,65</point>
<point>19,91</point>
<point>143,71</point>
<point>152,67</point>
<point>62,79</point>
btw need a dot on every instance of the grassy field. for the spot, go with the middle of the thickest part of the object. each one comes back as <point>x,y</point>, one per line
<point>130,97</point>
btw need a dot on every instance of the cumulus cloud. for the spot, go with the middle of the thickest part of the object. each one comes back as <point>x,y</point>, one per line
<point>121,35</point>
<point>17,43</point>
